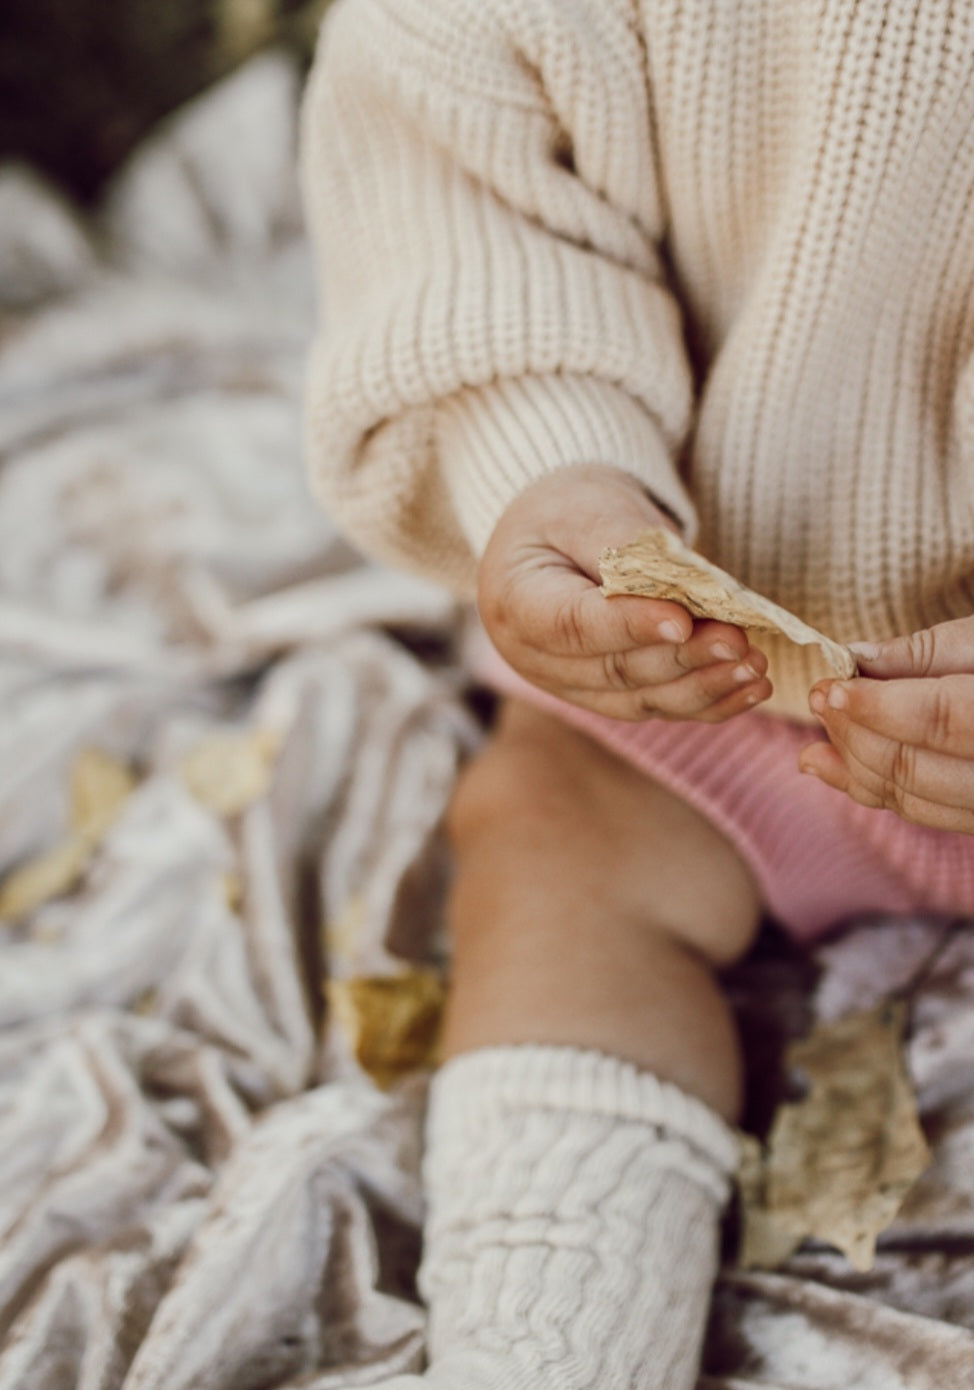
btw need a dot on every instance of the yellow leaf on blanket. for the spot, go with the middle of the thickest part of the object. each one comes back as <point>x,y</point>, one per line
<point>233,892</point>
<point>242,27</point>
<point>840,1162</point>
<point>658,565</point>
<point>99,785</point>
<point>228,772</point>
<point>343,933</point>
<point>766,1242</point>
<point>46,876</point>
<point>391,1022</point>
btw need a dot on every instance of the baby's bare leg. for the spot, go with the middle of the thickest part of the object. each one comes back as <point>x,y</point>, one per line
<point>590,908</point>
<point>575,1167</point>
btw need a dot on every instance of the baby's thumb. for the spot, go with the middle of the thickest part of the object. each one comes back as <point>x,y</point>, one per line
<point>943,650</point>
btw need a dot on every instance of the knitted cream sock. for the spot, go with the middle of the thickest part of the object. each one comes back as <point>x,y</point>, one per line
<point>571,1243</point>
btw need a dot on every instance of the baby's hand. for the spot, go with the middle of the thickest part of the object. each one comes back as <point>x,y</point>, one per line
<point>628,658</point>
<point>904,739</point>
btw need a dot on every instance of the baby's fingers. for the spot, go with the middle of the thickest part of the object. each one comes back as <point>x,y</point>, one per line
<point>663,663</point>
<point>719,668</point>
<point>627,623</point>
<point>711,694</point>
<point>592,625</point>
<point>555,610</point>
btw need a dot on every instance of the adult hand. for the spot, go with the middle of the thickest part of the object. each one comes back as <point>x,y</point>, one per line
<point>902,737</point>
<point>628,657</point>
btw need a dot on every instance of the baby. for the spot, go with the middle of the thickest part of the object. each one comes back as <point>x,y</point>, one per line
<point>589,267</point>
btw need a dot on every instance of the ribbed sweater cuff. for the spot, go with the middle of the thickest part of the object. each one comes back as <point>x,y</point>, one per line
<point>496,440</point>
<point>472,1085</point>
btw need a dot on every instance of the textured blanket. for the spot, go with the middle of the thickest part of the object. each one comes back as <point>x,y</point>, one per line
<point>225,750</point>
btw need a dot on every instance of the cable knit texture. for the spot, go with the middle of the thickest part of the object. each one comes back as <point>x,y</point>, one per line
<point>729,248</point>
<point>571,1243</point>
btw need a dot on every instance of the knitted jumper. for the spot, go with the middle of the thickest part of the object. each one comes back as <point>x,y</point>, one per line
<point>726,247</point>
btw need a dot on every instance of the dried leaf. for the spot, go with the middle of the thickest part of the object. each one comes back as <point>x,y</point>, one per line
<point>766,1243</point>
<point>145,1004</point>
<point>343,933</point>
<point>99,785</point>
<point>228,772</point>
<point>46,876</point>
<point>243,26</point>
<point>839,1162</point>
<point>658,565</point>
<point>391,1022</point>
<point>233,892</point>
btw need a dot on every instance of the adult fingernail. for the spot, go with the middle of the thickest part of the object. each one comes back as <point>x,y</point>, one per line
<point>869,651</point>
<point>838,697</point>
<point>723,651</point>
<point>817,702</point>
<point>671,631</point>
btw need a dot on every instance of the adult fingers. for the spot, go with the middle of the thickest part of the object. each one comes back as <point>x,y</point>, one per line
<point>900,788</point>
<point>937,714</point>
<point>946,649</point>
<point>895,771</point>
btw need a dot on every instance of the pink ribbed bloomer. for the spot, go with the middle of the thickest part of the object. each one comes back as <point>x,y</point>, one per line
<point>817,856</point>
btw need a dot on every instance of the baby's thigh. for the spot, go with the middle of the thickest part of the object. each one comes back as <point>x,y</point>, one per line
<point>570,824</point>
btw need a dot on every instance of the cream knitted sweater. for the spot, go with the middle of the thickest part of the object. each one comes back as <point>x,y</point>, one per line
<point>727,247</point>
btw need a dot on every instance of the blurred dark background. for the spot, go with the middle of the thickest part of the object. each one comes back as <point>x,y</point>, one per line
<point>82,81</point>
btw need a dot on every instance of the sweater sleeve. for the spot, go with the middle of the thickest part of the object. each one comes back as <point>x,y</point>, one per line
<point>485,209</point>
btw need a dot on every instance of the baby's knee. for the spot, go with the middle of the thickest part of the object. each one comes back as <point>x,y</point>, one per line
<point>521,775</point>
<point>542,803</point>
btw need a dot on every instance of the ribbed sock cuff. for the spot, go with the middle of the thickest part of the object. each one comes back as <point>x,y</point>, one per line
<point>473,1085</point>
